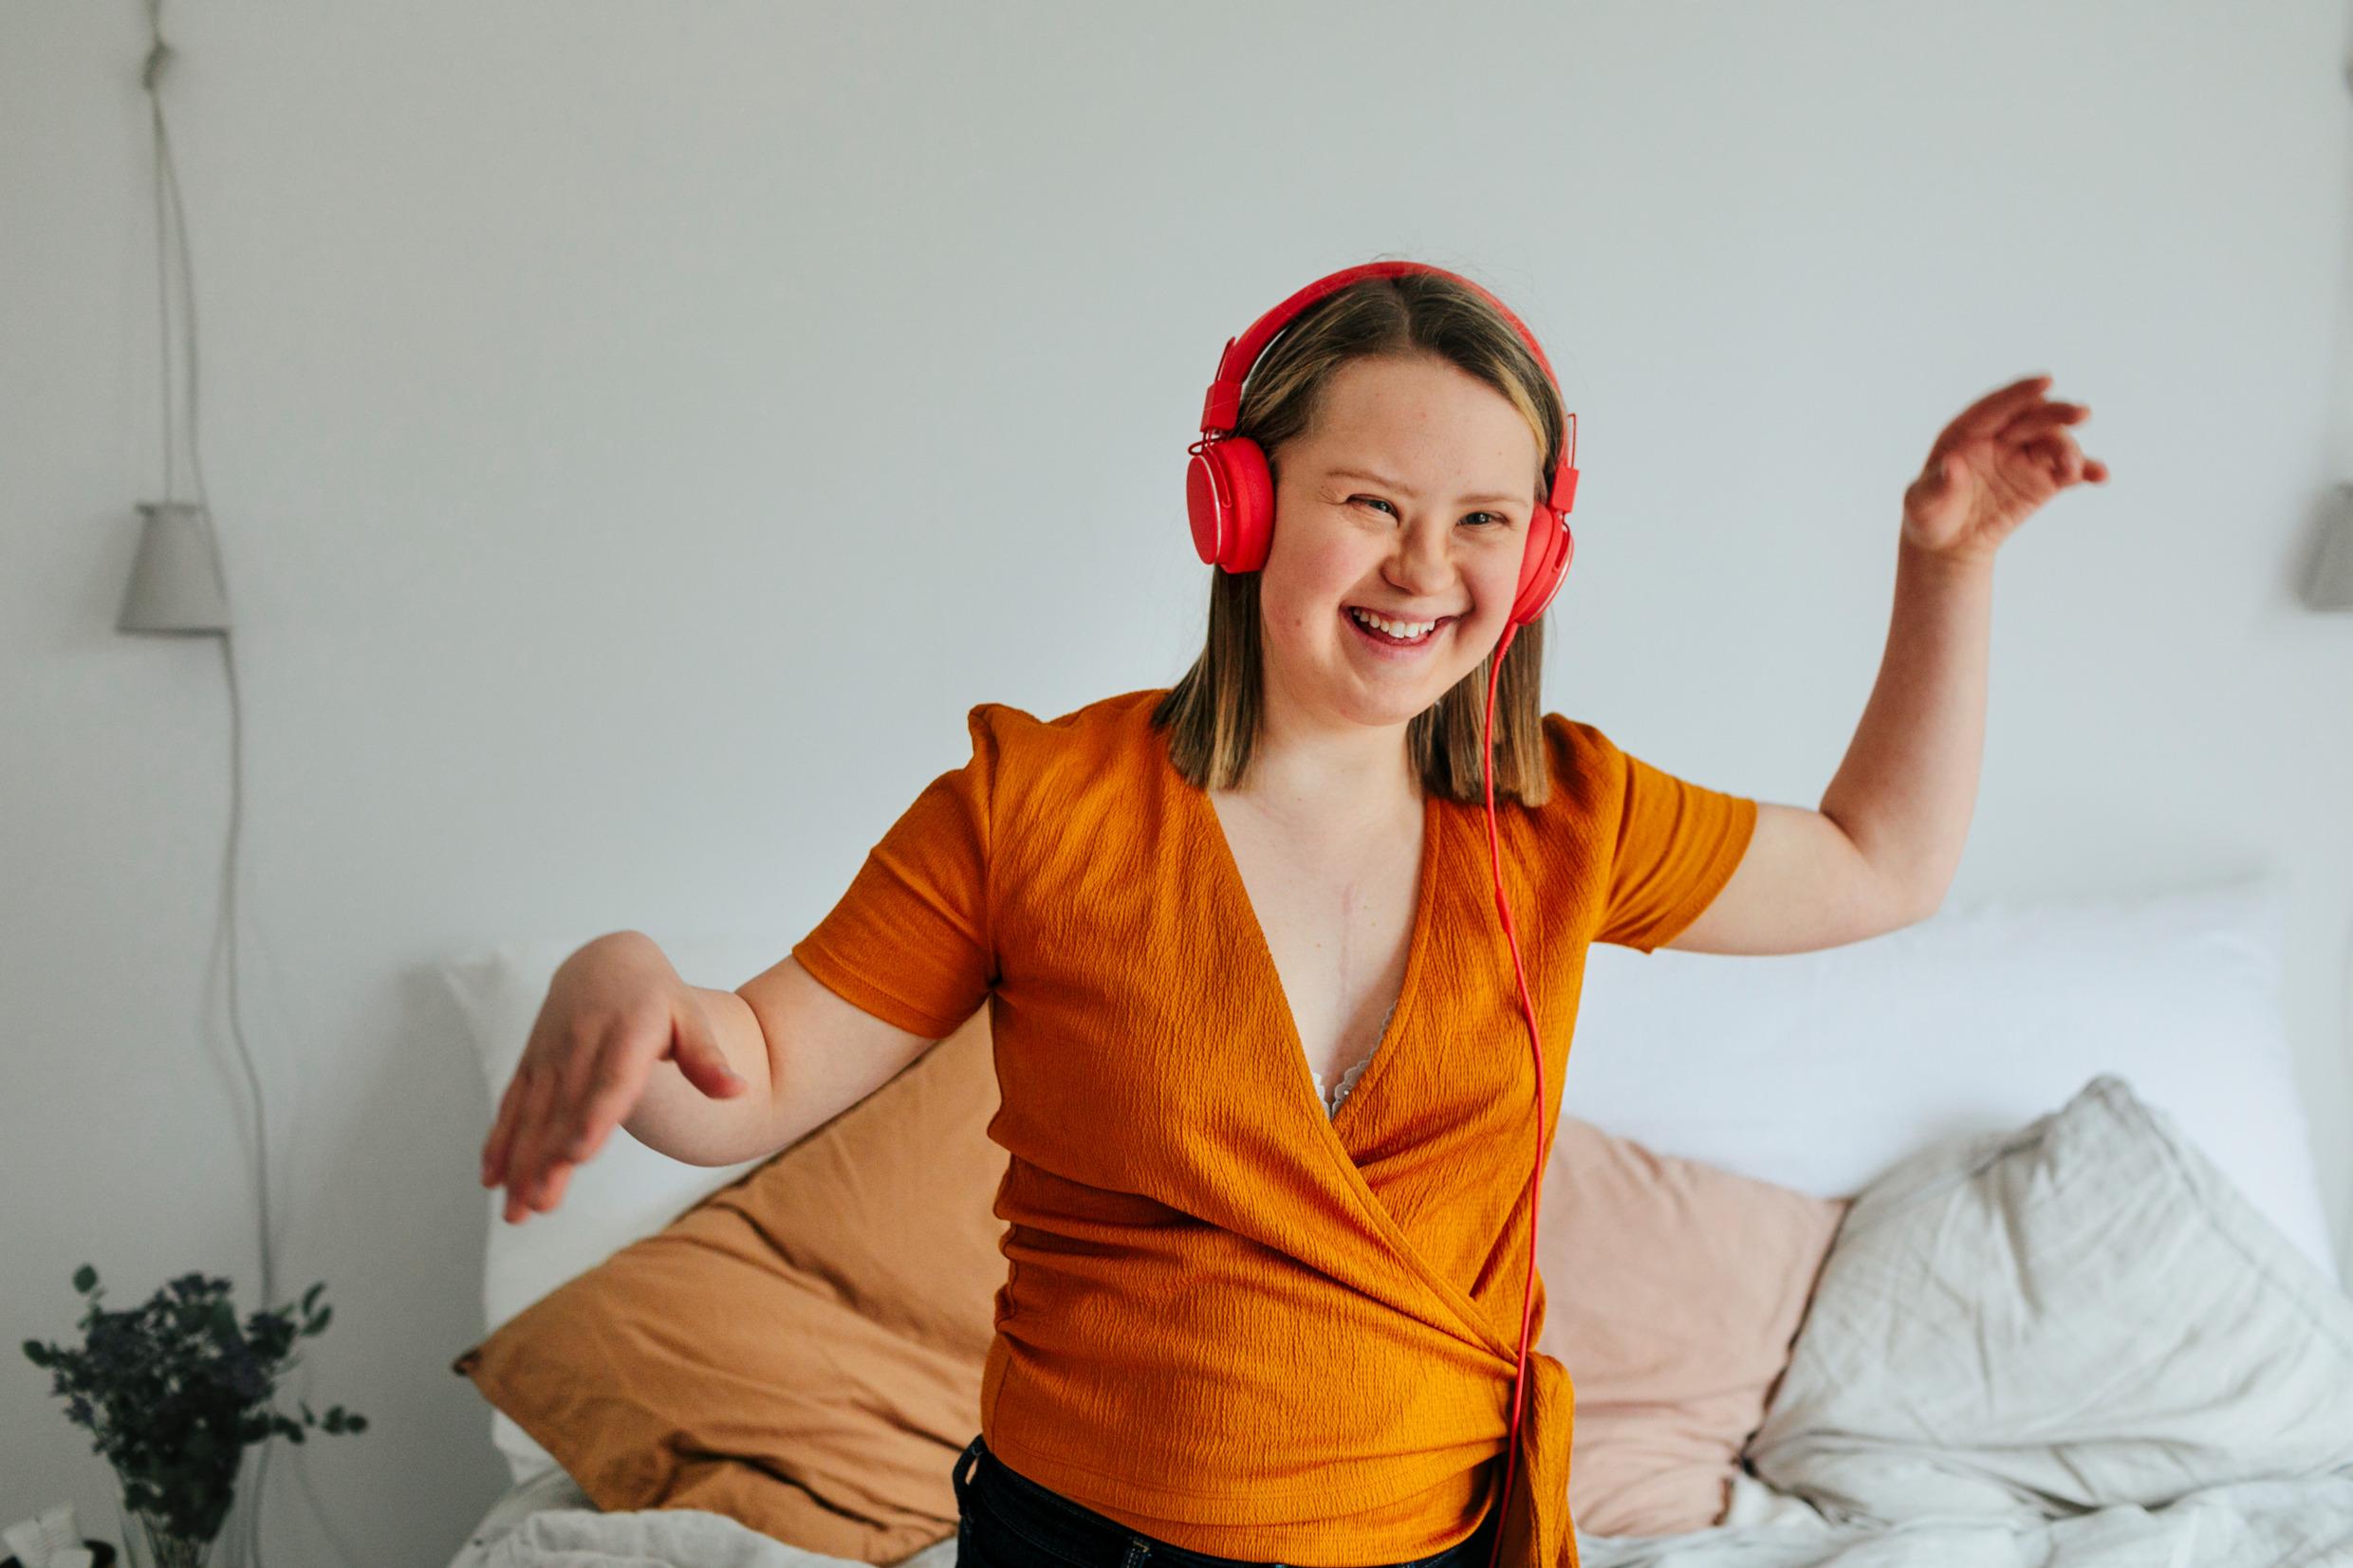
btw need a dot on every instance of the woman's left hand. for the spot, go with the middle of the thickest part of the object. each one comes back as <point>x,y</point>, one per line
<point>1995,464</point>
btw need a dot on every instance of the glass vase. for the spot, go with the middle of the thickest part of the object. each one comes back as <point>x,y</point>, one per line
<point>152,1542</point>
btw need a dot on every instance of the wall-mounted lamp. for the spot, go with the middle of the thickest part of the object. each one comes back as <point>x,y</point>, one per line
<point>2332,577</point>
<point>175,582</point>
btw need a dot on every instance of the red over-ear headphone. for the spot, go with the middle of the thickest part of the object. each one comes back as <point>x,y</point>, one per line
<point>1231,493</point>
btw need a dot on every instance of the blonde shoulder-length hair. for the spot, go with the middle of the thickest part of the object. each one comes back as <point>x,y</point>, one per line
<point>1212,715</point>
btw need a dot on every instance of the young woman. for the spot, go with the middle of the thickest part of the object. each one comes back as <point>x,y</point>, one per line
<point>1265,1082</point>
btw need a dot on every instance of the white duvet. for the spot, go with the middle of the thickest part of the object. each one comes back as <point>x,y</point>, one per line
<point>2072,1346</point>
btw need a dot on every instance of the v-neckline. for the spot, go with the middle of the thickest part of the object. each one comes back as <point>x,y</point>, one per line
<point>1236,893</point>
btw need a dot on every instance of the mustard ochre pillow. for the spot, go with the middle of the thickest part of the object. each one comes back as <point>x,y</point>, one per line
<point>802,1350</point>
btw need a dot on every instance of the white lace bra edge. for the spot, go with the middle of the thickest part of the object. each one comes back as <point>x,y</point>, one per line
<point>1331,1097</point>
<point>1347,1082</point>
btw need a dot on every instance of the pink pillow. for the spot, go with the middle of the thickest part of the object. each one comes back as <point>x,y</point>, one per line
<point>1673,1291</point>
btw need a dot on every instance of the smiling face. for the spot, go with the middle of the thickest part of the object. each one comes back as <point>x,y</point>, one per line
<point>1410,499</point>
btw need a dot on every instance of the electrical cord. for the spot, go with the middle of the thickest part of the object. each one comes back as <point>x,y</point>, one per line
<point>174,222</point>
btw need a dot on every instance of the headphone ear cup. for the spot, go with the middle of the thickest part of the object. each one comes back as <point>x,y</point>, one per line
<point>1230,495</point>
<point>1544,565</point>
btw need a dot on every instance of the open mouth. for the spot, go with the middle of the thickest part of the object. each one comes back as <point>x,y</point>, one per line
<point>1418,635</point>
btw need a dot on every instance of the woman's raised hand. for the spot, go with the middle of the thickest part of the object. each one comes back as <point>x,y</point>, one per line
<point>614,1009</point>
<point>1992,467</point>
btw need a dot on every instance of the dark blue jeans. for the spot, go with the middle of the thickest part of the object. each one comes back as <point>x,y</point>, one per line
<point>1008,1521</point>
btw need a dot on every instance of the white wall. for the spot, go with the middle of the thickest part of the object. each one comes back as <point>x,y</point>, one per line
<point>638,433</point>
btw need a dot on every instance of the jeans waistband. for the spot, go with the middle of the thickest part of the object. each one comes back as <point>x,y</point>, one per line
<point>1027,1506</point>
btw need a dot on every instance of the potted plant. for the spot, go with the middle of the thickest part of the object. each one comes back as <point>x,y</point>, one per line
<point>174,1391</point>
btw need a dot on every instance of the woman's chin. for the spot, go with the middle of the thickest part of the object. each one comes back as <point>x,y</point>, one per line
<point>1385,704</point>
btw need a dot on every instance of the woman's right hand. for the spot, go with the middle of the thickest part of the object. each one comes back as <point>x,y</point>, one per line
<point>614,1009</point>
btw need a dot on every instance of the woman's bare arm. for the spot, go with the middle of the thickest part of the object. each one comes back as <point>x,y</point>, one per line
<point>809,1055</point>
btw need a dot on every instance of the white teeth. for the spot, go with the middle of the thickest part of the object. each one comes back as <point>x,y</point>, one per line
<point>1394,628</point>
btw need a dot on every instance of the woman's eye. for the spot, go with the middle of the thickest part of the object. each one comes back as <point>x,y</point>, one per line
<point>1494,519</point>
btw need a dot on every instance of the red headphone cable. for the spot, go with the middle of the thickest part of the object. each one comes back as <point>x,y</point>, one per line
<point>1535,1195</point>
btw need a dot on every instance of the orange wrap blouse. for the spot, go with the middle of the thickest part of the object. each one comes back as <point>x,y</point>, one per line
<point>1229,1320</point>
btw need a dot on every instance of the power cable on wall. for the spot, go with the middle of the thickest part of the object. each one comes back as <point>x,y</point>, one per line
<point>172,223</point>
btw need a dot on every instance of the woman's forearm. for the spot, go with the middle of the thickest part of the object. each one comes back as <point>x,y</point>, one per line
<point>1908,785</point>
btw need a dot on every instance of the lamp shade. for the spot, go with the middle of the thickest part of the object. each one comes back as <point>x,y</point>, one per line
<point>2332,578</point>
<point>175,582</point>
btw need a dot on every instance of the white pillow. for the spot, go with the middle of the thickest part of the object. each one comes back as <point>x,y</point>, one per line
<point>1820,1070</point>
<point>626,1191</point>
<point>2076,1315</point>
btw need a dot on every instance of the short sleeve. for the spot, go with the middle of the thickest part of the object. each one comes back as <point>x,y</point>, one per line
<point>1676,844</point>
<point>911,941</point>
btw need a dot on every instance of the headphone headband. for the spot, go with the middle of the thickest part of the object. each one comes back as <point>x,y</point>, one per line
<point>1222,406</point>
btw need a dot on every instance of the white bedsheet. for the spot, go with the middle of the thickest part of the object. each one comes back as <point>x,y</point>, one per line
<point>546,1521</point>
<point>2251,1524</point>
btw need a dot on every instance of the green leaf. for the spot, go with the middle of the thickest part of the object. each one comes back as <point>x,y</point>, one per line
<point>312,1294</point>
<point>85,1278</point>
<point>356,1424</point>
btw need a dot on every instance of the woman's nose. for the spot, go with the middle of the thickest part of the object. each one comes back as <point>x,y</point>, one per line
<point>1424,558</point>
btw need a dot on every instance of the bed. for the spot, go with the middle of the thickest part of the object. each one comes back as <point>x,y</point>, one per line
<point>2008,1222</point>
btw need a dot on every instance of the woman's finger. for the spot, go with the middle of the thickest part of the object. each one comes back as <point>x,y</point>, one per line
<point>617,1084</point>
<point>547,1183</point>
<point>594,1088</point>
<point>2038,417</point>
<point>496,1146</point>
<point>551,1186</point>
<point>2057,455</point>
<point>1992,410</point>
<point>530,1142</point>
<point>697,1050</point>
<point>575,1079</point>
